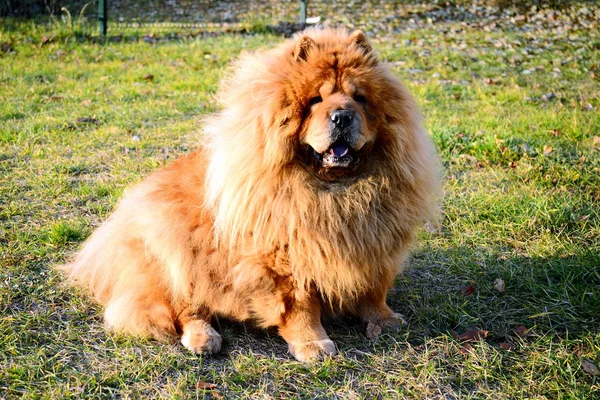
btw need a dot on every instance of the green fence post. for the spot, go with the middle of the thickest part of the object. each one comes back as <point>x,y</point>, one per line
<point>102,17</point>
<point>302,11</point>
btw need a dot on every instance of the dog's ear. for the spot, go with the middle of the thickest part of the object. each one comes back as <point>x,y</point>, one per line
<point>303,46</point>
<point>359,39</point>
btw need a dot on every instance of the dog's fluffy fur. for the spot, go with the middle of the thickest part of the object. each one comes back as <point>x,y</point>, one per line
<point>260,224</point>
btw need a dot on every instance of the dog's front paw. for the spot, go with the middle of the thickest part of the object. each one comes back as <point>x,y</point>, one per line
<point>312,350</point>
<point>199,337</point>
<point>393,323</point>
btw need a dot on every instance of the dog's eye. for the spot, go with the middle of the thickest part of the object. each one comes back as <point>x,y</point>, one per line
<point>360,99</point>
<point>315,100</point>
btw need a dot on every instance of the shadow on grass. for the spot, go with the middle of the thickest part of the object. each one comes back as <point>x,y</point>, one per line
<point>551,296</point>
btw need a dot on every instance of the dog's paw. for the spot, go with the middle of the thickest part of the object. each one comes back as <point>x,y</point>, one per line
<point>199,337</point>
<point>393,323</point>
<point>312,350</point>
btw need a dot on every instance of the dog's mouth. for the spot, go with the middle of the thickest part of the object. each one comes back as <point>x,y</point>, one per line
<point>339,155</point>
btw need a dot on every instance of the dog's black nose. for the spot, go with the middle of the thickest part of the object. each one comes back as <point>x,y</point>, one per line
<point>341,118</point>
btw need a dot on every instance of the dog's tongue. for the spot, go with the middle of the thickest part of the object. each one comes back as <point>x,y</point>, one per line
<point>339,150</point>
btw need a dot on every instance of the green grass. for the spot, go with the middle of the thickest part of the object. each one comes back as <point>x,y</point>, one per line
<point>81,120</point>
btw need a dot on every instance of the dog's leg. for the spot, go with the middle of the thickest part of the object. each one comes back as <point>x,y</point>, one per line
<point>302,330</point>
<point>198,336</point>
<point>373,310</point>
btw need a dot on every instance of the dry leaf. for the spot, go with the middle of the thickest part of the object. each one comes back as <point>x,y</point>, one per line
<point>149,77</point>
<point>373,331</point>
<point>521,331</point>
<point>499,285</point>
<point>506,346</point>
<point>205,385</point>
<point>590,368</point>
<point>216,394</point>
<point>547,150</point>
<point>468,290</point>
<point>466,348</point>
<point>596,140</point>
<point>473,335</point>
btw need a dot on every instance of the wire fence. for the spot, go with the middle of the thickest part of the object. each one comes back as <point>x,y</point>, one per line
<point>287,16</point>
<point>282,16</point>
<point>181,14</point>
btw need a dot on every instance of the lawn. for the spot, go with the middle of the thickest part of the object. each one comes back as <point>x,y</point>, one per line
<point>502,302</point>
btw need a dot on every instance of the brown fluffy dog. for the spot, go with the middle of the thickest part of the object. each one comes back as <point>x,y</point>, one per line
<point>304,201</point>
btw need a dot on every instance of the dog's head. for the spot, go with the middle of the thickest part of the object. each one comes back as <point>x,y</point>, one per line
<point>336,100</point>
<point>321,102</point>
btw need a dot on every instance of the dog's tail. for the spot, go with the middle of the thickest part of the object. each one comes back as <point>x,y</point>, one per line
<point>94,267</point>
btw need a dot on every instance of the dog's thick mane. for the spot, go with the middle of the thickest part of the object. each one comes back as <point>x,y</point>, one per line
<point>342,238</point>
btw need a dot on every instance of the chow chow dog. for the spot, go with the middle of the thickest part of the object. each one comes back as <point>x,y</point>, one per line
<point>302,203</point>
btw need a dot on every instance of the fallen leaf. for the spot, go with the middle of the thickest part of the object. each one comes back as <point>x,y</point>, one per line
<point>499,285</point>
<point>547,149</point>
<point>596,140</point>
<point>149,77</point>
<point>590,368</point>
<point>466,348</point>
<point>473,335</point>
<point>216,394</point>
<point>205,385</point>
<point>522,331</point>
<point>468,290</point>
<point>373,331</point>
<point>506,346</point>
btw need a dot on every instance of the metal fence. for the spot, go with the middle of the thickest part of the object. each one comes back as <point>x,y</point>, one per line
<point>157,14</point>
<point>282,16</point>
<point>285,16</point>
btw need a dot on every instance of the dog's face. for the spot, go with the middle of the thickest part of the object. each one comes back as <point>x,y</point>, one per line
<point>334,93</point>
<point>336,130</point>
